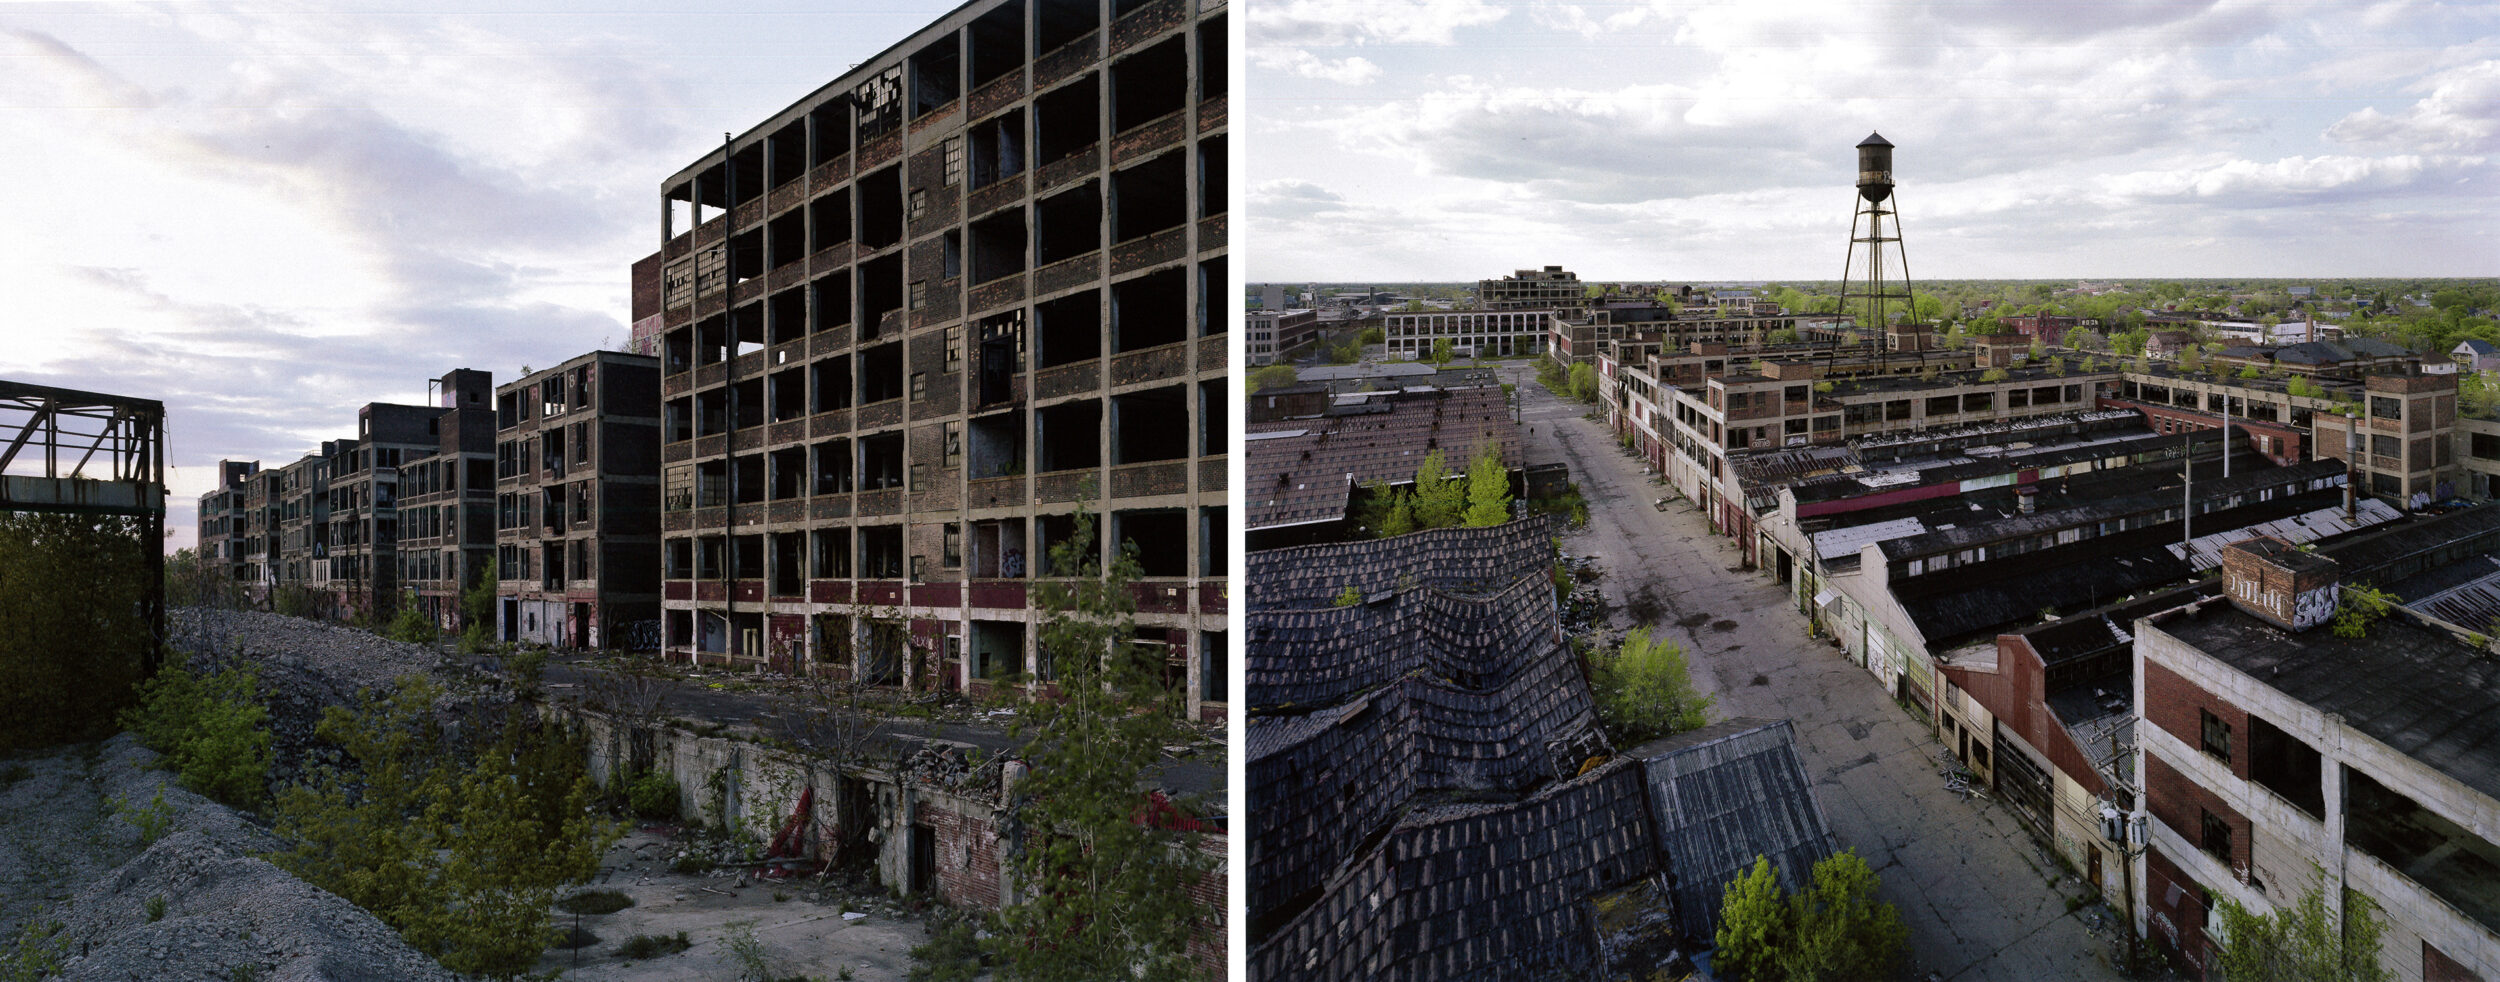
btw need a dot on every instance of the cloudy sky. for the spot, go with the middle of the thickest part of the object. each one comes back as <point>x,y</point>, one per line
<point>1457,139</point>
<point>269,215</point>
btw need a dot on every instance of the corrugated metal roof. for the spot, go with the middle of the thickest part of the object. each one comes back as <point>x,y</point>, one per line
<point>1723,794</point>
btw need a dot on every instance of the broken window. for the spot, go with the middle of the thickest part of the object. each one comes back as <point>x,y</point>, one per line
<point>936,75</point>
<point>1150,425</point>
<point>1057,22</point>
<point>832,378</point>
<point>1071,328</point>
<point>880,296</point>
<point>833,467</point>
<point>1213,316</point>
<point>1067,119</point>
<point>1212,533</point>
<point>919,386</point>
<point>746,553</point>
<point>747,480</point>
<point>678,559</point>
<point>1068,224</point>
<point>2217,837</point>
<point>1212,68</point>
<point>1150,310</point>
<point>1161,537</point>
<point>832,548</point>
<point>881,551</point>
<point>1211,417</point>
<point>1211,176</point>
<point>998,549</point>
<point>829,220</point>
<point>1150,197</point>
<point>746,404</point>
<point>788,393</point>
<point>952,553</point>
<point>1150,84</point>
<point>785,239</point>
<point>997,43</point>
<point>830,303</point>
<point>746,329</point>
<point>880,104</point>
<point>881,373</point>
<point>786,153</point>
<point>789,563</point>
<point>2284,765</point>
<point>2216,735</point>
<point>997,148</point>
<point>951,254</point>
<point>746,256</point>
<point>880,206</point>
<point>1002,356</point>
<point>1068,435</point>
<point>788,472</point>
<point>881,461</point>
<point>829,131</point>
<point>997,445</point>
<point>998,245</point>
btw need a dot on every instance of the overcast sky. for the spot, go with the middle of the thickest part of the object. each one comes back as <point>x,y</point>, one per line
<point>1458,139</point>
<point>267,216</point>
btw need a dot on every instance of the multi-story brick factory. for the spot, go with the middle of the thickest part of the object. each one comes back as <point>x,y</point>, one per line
<point>912,324</point>
<point>577,503</point>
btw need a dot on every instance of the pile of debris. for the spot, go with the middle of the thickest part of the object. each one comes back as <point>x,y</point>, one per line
<point>947,766</point>
<point>305,667</point>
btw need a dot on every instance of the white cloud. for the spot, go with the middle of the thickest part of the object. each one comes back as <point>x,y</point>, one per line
<point>1353,70</point>
<point>2462,112</point>
<point>2297,180</point>
<point>1331,23</point>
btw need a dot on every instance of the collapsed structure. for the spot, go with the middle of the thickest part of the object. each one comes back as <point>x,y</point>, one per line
<point>1431,796</point>
<point>910,324</point>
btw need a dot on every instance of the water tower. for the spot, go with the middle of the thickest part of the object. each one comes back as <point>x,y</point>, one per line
<point>1880,290</point>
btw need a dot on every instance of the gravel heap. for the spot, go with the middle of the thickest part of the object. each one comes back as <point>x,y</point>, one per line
<point>305,666</point>
<point>66,857</point>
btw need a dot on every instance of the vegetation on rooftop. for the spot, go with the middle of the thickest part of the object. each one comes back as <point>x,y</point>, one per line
<point>1833,929</point>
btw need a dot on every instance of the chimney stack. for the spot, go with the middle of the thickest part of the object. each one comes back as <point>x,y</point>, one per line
<point>2279,584</point>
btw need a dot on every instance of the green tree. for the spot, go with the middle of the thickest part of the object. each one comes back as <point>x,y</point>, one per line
<point>1271,377</point>
<point>2361,606</point>
<point>1834,929</point>
<point>1993,375</point>
<point>1442,353</point>
<point>1439,502</point>
<point>1785,335</point>
<point>2301,941</point>
<point>72,630</point>
<point>461,851</point>
<point>1400,518</point>
<point>1583,382</point>
<point>1488,488</point>
<point>210,729</point>
<point>1644,690</point>
<point>1372,335</point>
<point>1106,883</point>
<point>477,608</point>
<point>410,624</point>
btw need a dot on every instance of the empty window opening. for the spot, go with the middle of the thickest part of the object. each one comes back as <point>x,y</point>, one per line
<point>997,43</point>
<point>998,246</point>
<point>881,373</point>
<point>711,554</point>
<point>1150,84</point>
<point>829,220</point>
<point>880,295</point>
<point>997,650</point>
<point>832,378</point>
<point>677,347</point>
<point>2286,766</point>
<point>711,341</point>
<point>998,550</point>
<point>1067,119</point>
<point>832,548</point>
<point>1071,328</point>
<point>788,391</point>
<point>789,473</point>
<point>786,238</point>
<point>746,173</point>
<point>681,210</point>
<point>880,206</point>
<point>1150,425</point>
<point>789,563</point>
<point>1002,357</point>
<point>1212,68</point>
<point>748,479</point>
<point>711,412</point>
<point>1068,436</point>
<point>830,305</point>
<point>746,553</point>
<point>880,104</point>
<point>1211,176</point>
<point>881,461</point>
<point>1150,197</point>
<point>1150,310</point>
<point>829,131</point>
<point>1057,22</point>
<point>785,316</point>
<point>1055,532</point>
<point>1213,313</point>
<point>746,329</point>
<point>678,559</point>
<point>834,467</point>
<point>1211,417</point>
<point>746,404</point>
<point>936,75</point>
<point>998,148</point>
<point>881,552</point>
<point>997,448</point>
<point>746,256</point>
<point>1068,224</point>
<point>1161,537</point>
<point>786,153</point>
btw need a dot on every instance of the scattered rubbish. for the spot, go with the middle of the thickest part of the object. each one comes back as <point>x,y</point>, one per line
<point>853,915</point>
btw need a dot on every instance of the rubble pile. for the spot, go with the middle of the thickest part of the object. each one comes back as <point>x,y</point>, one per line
<point>305,667</point>
<point>195,904</point>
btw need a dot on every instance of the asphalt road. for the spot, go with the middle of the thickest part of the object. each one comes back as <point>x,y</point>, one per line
<point>1984,900</point>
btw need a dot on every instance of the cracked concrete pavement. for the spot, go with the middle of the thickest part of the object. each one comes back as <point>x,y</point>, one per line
<point>1984,900</point>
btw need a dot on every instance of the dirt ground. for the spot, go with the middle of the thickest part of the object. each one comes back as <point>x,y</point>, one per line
<point>805,928</point>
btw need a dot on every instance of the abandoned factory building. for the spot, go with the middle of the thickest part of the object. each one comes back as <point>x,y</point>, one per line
<point>911,324</point>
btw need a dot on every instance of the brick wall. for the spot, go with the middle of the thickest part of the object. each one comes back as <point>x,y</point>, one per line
<point>2182,804</point>
<point>2172,703</point>
<point>2175,909</point>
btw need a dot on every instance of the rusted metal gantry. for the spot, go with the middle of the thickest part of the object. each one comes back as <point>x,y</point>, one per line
<point>88,453</point>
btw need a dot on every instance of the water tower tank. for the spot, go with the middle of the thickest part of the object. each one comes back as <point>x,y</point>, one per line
<point>1875,167</point>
